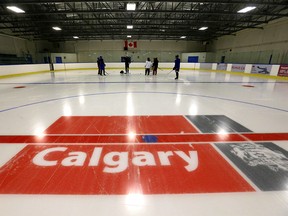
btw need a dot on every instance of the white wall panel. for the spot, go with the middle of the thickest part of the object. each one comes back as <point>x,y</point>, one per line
<point>19,69</point>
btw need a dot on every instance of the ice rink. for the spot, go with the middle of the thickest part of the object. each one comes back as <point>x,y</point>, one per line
<point>76,143</point>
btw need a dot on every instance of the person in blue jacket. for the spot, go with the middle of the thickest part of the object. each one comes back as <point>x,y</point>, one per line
<point>177,66</point>
<point>98,65</point>
<point>102,66</point>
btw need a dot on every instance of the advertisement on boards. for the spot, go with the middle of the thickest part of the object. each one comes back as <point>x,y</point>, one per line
<point>238,68</point>
<point>261,69</point>
<point>283,70</point>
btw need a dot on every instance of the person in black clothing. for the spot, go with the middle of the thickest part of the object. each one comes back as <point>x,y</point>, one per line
<point>127,62</point>
<point>177,66</point>
<point>155,66</point>
<point>98,65</point>
<point>102,66</point>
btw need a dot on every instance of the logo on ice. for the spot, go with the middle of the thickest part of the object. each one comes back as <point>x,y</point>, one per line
<point>114,161</point>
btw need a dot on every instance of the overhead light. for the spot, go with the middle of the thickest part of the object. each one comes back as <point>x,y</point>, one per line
<point>15,9</point>
<point>75,37</point>
<point>203,28</point>
<point>129,36</point>
<point>246,9</point>
<point>71,15</point>
<point>56,28</point>
<point>129,26</point>
<point>183,37</point>
<point>131,6</point>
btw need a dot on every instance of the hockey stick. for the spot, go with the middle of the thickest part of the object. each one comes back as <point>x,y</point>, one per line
<point>170,72</point>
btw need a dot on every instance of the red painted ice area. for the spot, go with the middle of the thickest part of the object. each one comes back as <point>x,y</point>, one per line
<point>131,129</point>
<point>211,174</point>
<point>116,139</point>
<point>120,125</point>
<point>108,155</point>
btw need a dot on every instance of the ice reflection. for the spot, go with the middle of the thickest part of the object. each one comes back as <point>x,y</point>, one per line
<point>67,111</point>
<point>271,85</point>
<point>227,77</point>
<point>135,202</point>
<point>193,109</point>
<point>39,132</point>
<point>132,136</point>
<point>81,99</point>
<point>178,99</point>
<point>213,76</point>
<point>222,132</point>
<point>130,105</point>
<point>245,80</point>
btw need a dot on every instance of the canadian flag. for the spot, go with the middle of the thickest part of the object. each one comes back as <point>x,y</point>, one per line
<point>130,44</point>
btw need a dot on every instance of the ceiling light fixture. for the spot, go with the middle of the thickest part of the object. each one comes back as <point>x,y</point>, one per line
<point>131,6</point>
<point>183,37</point>
<point>75,37</point>
<point>129,36</point>
<point>56,28</point>
<point>129,26</point>
<point>15,9</point>
<point>203,28</point>
<point>246,9</point>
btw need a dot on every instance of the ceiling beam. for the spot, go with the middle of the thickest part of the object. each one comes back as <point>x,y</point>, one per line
<point>243,2</point>
<point>126,19</point>
<point>105,11</point>
<point>123,26</point>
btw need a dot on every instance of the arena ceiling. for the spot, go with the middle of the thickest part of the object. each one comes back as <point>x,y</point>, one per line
<point>151,20</point>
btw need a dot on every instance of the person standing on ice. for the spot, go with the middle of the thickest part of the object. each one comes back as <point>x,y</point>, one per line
<point>148,65</point>
<point>98,65</point>
<point>127,62</point>
<point>155,66</point>
<point>102,66</point>
<point>177,66</point>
